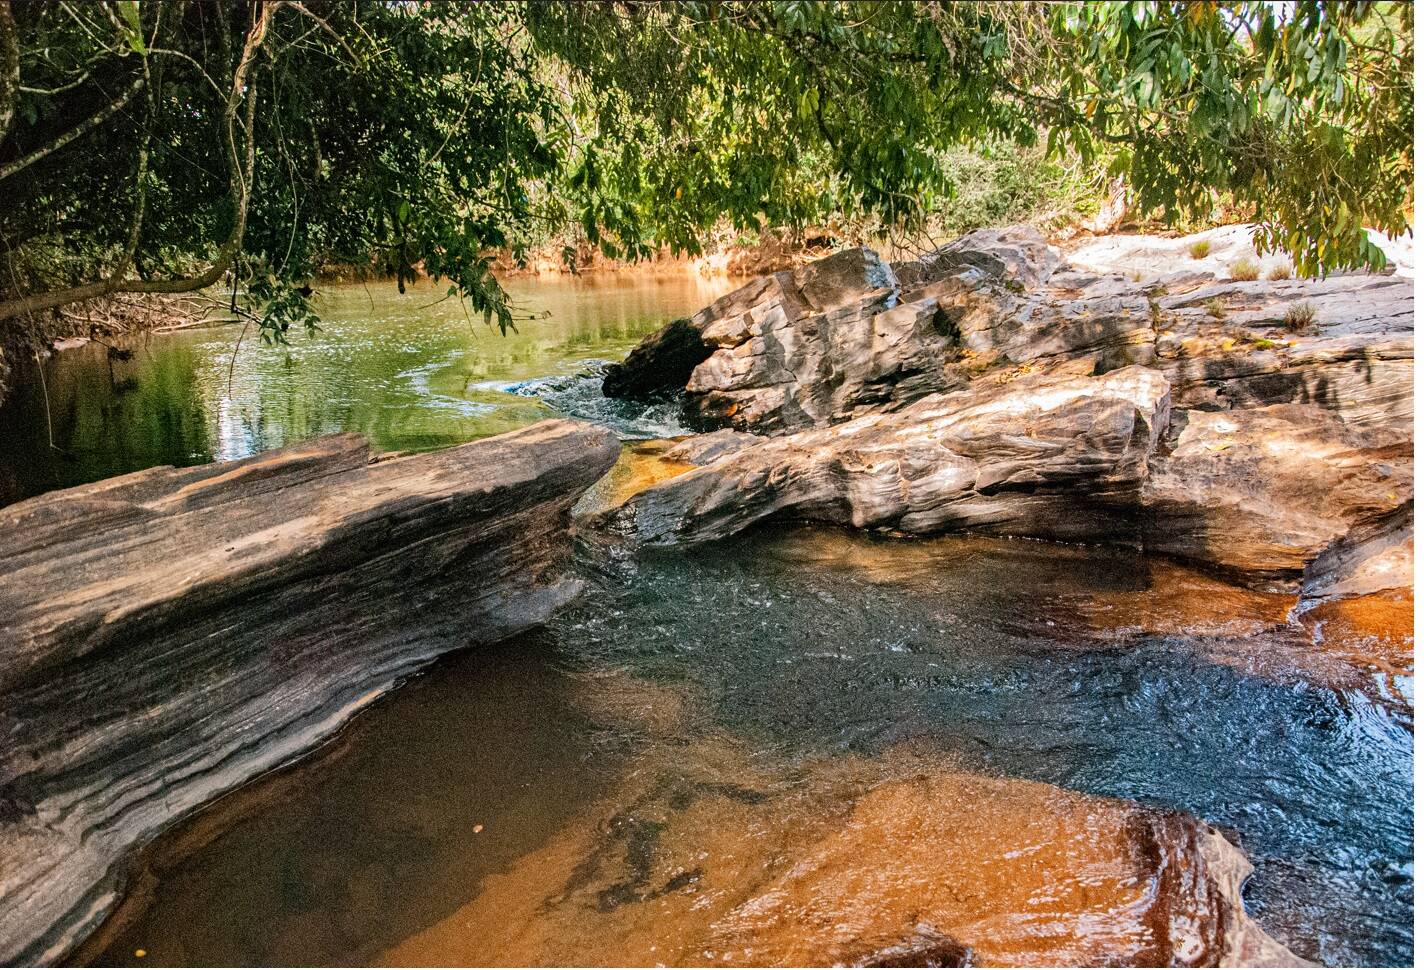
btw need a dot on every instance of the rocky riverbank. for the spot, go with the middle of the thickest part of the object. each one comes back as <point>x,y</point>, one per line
<point>1262,428</point>
<point>169,635</point>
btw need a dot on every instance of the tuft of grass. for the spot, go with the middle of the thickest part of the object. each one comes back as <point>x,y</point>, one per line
<point>1280,271</point>
<point>1299,317</point>
<point>1216,306</point>
<point>1200,248</point>
<point>1244,269</point>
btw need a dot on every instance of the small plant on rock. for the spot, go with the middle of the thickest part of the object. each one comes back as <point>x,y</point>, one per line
<point>1280,271</point>
<point>1244,269</point>
<point>1200,248</point>
<point>1216,306</point>
<point>1299,317</point>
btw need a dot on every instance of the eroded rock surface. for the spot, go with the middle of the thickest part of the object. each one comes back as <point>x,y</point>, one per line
<point>1061,459</point>
<point>849,335</point>
<point>892,392</point>
<point>1263,492</point>
<point>168,635</point>
<point>801,348</point>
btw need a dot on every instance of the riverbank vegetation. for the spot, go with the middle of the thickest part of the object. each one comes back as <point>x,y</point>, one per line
<point>170,147</point>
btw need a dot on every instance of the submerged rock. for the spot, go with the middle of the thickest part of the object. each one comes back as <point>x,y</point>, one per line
<point>166,636</point>
<point>706,858</point>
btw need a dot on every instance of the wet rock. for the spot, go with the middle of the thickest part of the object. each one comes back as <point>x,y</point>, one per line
<point>166,636</point>
<point>640,464</point>
<point>1263,492</point>
<point>1369,560</point>
<point>703,858</point>
<point>661,363</point>
<point>1057,458</point>
<point>924,947</point>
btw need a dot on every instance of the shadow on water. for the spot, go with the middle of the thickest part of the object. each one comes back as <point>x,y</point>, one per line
<point>769,681</point>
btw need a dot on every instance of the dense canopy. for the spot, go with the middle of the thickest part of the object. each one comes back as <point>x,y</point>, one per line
<point>167,146</point>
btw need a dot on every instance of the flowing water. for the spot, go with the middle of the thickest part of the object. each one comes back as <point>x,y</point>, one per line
<point>781,747</point>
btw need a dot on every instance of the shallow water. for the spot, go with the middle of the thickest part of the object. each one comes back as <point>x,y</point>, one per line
<point>412,372</point>
<point>789,672</point>
<point>621,786</point>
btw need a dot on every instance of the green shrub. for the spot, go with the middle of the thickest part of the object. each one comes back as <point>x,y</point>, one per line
<point>1200,248</point>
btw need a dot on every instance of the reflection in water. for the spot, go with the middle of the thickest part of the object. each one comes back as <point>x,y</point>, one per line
<point>411,371</point>
<point>753,750</point>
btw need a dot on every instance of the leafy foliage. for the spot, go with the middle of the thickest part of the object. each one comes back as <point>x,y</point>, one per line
<point>163,146</point>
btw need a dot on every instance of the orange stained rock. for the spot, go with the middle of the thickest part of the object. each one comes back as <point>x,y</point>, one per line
<point>1375,631</point>
<point>1178,600</point>
<point>640,466</point>
<point>704,859</point>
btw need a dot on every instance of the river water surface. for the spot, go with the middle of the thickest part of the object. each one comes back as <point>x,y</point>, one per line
<point>754,751</point>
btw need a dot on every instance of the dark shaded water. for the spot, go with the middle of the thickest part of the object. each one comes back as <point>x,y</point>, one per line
<point>802,646</point>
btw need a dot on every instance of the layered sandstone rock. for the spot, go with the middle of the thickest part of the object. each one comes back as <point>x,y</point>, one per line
<point>882,395</point>
<point>1059,459</point>
<point>849,335</point>
<point>1264,492</point>
<point>168,635</point>
<point>798,349</point>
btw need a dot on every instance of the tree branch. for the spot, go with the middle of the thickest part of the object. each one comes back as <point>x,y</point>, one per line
<point>9,67</point>
<point>84,127</point>
<point>241,166</point>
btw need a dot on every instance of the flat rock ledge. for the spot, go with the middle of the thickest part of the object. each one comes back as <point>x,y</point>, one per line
<point>168,635</point>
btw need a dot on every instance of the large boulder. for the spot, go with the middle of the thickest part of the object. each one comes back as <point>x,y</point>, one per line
<point>661,364</point>
<point>799,349</point>
<point>1262,493</point>
<point>1054,458</point>
<point>168,635</point>
<point>848,335</point>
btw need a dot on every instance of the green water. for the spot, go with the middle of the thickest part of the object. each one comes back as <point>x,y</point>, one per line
<point>412,372</point>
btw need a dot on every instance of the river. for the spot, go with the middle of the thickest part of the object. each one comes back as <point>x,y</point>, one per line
<point>705,729</point>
